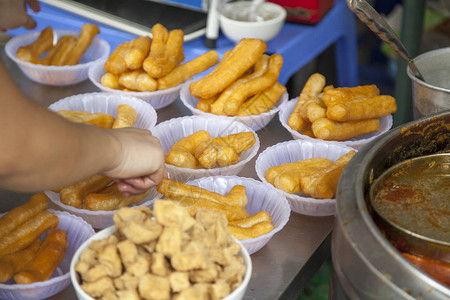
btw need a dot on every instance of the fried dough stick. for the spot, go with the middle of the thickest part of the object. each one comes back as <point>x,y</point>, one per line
<point>243,56</point>
<point>20,214</point>
<point>47,259</point>
<point>116,61</point>
<point>182,152</point>
<point>14,262</point>
<point>179,190</point>
<point>73,195</point>
<point>101,120</point>
<point>255,85</point>
<point>32,51</point>
<point>138,51</point>
<point>323,183</point>
<point>271,173</point>
<point>26,233</point>
<point>260,67</point>
<point>243,233</point>
<point>187,70</point>
<point>313,86</point>
<point>126,116</point>
<point>110,199</point>
<point>330,130</point>
<point>84,40</point>
<point>262,102</point>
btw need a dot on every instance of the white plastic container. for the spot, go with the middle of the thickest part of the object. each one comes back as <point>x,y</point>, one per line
<point>357,142</point>
<point>78,231</point>
<point>171,131</point>
<point>291,151</point>
<point>157,99</point>
<point>256,122</point>
<point>98,51</point>
<point>237,294</point>
<point>260,196</point>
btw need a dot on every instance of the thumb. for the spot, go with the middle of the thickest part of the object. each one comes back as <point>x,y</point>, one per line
<point>30,23</point>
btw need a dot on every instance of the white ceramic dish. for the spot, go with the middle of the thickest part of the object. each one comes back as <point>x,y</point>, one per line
<point>261,196</point>
<point>295,150</point>
<point>107,103</point>
<point>237,294</point>
<point>357,142</point>
<point>157,99</point>
<point>256,122</point>
<point>237,21</point>
<point>78,231</point>
<point>98,51</point>
<point>171,131</point>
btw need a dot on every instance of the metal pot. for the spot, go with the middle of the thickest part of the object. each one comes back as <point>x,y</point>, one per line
<point>432,96</point>
<point>365,264</point>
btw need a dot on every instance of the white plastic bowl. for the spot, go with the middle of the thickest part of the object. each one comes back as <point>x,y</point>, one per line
<point>357,142</point>
<point>237,294</point>
<point>98,51</point>
<point>294,150</point>
<point>78,231</point>
<point>157,99</point>
<point>261,196</point>
<point>256,122</point>
<point>234,25</point>
<point>107,103</point>
<point>171,131</point>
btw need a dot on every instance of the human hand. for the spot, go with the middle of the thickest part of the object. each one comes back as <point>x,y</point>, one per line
<point>140,161</point>
<point>13,14</point>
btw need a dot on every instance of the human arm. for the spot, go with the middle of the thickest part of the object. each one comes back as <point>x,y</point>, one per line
<point>13,14</point>
<point>41,150</point>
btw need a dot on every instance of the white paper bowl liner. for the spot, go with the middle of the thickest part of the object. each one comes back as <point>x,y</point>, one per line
<point>98,51</point>
<point>237,294</point>
<point>78,231</point>
<point>260,196</point>
<point>98,219</point>
<point>107,103</point>
<point>157,99</point>
<point>171,131</point>
<point>256,122</point>
<point>357,142</point>
<point>294,150</point>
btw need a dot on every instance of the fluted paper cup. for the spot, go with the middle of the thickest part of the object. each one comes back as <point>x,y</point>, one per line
<point>256,122</point>
<point>108,103</point>
<point>292,151</point>
<point>260,197</point>
<point>98,51</point>
<point>171,131</point>
<point>104,103</point>
<point>157,99</point>
<point>78,231</point>
<point>357,142</point>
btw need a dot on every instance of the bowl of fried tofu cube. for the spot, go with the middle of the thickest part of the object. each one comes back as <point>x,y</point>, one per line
<point>162,254</point>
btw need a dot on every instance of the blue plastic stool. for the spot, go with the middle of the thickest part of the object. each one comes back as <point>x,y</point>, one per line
<point>298,44</point>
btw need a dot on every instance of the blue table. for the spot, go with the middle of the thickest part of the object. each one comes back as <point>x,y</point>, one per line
<point>298,44</point>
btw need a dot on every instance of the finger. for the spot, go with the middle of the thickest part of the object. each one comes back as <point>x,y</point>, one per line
<point>34,5</point>
<point>30,23</point>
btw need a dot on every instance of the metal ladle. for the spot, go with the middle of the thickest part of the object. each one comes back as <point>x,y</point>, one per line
<point>369,16</point>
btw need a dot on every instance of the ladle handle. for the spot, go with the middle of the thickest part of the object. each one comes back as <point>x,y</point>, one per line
<point>369,16</point>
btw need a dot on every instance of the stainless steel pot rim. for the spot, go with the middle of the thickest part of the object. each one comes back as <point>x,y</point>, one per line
<point>421,82</point>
